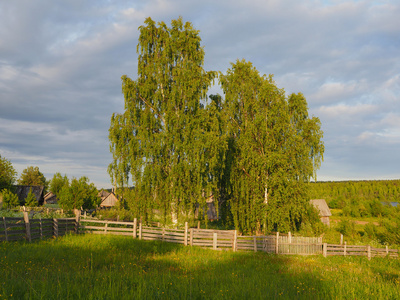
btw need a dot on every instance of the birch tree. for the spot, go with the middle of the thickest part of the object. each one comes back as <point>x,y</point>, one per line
<point>160,141</point>
<point>275,149</point>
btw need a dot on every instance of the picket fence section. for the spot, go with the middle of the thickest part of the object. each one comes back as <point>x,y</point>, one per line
<point>14,229</point>
<point>281,244</point>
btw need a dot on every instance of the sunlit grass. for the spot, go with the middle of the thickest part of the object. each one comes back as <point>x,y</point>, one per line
<point>113,267</point>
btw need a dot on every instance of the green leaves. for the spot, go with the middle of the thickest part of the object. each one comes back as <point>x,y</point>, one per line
<point>32,176</point>
<point>10,199</point>
<point>159,142</point>
<point>275,149</point>
<point>79,194</point>
<point>7,173</point>
<point>31,200</point>
<point>252,151</point>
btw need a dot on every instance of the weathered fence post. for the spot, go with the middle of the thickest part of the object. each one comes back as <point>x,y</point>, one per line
<point>106,227</point>
<point>5,228</point>
<point>277,243</point>
<point>191,237</point>
<point>369,252</point>
<point>341,239</point>
<point>387,250</point>
<point>215,237</point>
<point>345,249</point>
<point>163,234</point>
<point>27,226</point>
<point>41,228</point>
<point>289,240</point>
<point>324,249</point>
<point>77,219</point>
<point>134,228</point>
<point>186,234</point>
<point>198,224</point>
<point>234,244</point>
<point>55,227</point>
<point>140,230</point>
<point>255,243</point>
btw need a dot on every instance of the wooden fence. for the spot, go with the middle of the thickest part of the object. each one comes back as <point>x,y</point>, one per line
<point>281,244</point>
<point>354,250</point>
<point>12,229</point>
<point>15,229</point>
<point>216,239</point>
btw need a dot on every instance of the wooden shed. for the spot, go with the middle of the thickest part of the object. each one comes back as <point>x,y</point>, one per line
<point>324,211</point>
<point>50,198</point>
<point>109,200</point>
<point>22,192</point>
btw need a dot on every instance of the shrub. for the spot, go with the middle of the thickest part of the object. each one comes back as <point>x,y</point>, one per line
<point>31,200</point>
<point>348,228</point>
<point>9,199</point>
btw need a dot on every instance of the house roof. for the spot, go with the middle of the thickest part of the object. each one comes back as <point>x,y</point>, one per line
<point>322,207</point>
<point>103,194</point>
<point>50,197</point>
<point>22,192</point>
<point>109,200</point>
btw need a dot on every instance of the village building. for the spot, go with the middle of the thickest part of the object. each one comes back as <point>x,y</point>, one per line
<point>22,192</point>
<point>108,199</point>
<point>323,209</point>
<point>50,198</point>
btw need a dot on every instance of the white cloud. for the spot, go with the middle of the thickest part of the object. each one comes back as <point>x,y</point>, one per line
<point>61,64</point>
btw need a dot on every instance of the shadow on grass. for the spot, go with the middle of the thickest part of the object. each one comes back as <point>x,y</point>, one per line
<point>115,267</point>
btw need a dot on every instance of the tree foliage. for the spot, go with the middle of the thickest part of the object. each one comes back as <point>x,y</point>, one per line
<point>79,193</point>
<point>57,183</point>
<point>275,147</point>
<point>254,151</point>
<point>32,176</point>
<point>7,173</point>
<point>10,199</point>
<point>368,198</point>
<point>31,200</point>
<point>160,140</point>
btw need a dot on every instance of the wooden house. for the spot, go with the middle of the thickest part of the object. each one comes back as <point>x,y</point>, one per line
<point>323,209</point>
<point>108,199</point>
<point>22,192</point>
<point>50,198</point>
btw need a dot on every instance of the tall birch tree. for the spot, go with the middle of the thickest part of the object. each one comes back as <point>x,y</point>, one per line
<point>275,149</point>
<point>161,141</point>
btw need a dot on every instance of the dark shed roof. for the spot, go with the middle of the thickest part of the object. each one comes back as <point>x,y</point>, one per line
<point>22,192</point>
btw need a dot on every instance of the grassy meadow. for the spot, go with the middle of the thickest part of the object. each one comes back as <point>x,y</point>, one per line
<point>115,267</point>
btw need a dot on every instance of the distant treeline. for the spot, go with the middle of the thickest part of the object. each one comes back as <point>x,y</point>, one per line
<point>358,198</point>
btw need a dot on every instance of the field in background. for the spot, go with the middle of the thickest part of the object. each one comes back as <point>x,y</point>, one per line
<point>115,267</point>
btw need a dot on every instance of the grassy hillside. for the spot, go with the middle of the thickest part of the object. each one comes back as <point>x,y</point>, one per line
<point>114,267</point>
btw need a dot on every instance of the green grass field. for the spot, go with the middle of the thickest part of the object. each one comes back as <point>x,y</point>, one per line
<point>115,267</point>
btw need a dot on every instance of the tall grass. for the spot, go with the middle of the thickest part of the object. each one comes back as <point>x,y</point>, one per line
<point>115,267</point>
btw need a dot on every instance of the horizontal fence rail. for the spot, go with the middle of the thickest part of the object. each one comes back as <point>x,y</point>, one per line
<point>14,229</point>
<point>354,250</point>
<point>18,229</point>
<point>280,244</point>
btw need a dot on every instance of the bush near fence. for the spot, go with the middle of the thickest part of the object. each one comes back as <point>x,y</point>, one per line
<point>12,229</point>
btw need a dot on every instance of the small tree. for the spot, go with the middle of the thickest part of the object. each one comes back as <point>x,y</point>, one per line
<point>9,199</point>
<point>32,176</point>
<point>57,183</point>
<point>7,174</point>
<point>79,193</point>
<point>31,200</point>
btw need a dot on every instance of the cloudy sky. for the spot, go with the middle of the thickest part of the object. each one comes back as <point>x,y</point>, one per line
<point>61,63</point>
